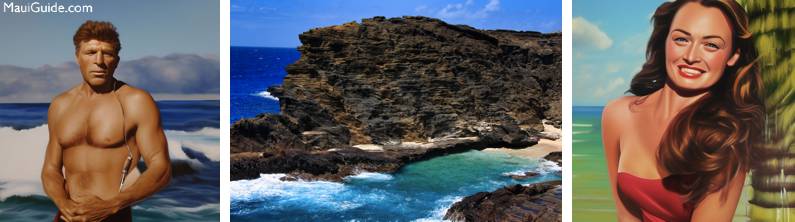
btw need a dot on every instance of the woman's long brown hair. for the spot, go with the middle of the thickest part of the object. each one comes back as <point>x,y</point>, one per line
<point>710,141</point>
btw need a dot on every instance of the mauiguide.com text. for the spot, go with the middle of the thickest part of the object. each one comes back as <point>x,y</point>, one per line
<point>36,7</point>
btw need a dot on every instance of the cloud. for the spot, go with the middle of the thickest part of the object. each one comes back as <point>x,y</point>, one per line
<point>588,35</point>
<point>177,74</point>
<point>613,67</point>
<point>609,88</point>
<point>636,44</point>
<point>421,9</point>
<point>464,10</point>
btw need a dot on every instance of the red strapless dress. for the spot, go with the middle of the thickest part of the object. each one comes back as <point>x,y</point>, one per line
<point>655,202</point>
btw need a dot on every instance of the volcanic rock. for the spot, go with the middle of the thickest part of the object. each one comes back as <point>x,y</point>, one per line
<point>555,157</point>
<point>535,202</point>
<point>397,82</point>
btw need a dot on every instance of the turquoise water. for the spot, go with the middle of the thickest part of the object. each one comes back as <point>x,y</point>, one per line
<point>421,191</point>
<point>591,195</point>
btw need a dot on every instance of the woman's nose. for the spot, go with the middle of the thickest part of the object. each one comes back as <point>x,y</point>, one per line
<point>691,55</point>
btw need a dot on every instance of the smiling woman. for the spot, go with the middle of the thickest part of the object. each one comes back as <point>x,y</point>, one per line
<point>693,126</point>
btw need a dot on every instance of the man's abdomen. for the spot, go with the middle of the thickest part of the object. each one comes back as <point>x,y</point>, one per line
<point>93,171</point>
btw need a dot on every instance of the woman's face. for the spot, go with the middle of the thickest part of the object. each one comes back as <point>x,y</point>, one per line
<point>698,47</point>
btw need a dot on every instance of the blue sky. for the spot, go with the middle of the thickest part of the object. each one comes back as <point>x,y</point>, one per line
<point>609,44</point>
<point>278,23</point>
<point>169,48</point>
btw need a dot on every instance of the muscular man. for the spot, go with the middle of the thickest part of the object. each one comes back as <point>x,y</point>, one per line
<point>93,128</point>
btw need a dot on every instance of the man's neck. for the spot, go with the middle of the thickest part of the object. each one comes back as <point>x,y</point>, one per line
<point>89,90</point>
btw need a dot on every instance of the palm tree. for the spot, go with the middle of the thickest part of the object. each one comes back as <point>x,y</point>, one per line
<point>773,23</point>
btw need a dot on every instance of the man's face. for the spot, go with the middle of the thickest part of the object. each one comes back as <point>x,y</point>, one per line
<point>97,60</point>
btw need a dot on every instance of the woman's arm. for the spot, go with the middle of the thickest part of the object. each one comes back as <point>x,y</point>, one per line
<point>720,205</point>
<point>611,117</point>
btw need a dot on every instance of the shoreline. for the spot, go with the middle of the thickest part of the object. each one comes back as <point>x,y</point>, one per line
<point>544,147</point>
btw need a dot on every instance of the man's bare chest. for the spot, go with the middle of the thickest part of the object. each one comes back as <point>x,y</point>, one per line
<point>93,123</point>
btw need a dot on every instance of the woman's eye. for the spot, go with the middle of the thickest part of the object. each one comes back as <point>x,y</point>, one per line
<point>680,40</point>
<point>712,46</point>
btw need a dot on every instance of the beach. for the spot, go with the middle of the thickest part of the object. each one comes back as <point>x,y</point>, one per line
<point>543,148</point>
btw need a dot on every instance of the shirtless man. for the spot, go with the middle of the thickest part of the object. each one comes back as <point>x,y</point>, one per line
<point>93,128</point>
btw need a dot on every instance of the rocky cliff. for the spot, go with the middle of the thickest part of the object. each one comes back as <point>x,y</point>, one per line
<point>411,88</point>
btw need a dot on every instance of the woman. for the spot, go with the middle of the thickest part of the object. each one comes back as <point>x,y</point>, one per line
<point>679,150</point>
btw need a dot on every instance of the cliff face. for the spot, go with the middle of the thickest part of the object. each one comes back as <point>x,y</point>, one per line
<point>411,79</point>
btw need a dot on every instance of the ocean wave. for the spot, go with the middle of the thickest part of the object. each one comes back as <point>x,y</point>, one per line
<point>543,167</point>
<point>321,195</point>
<point>580,132</point>
<point>442,206</point>
<point>24,150</point>
<point>267,95</point>
<point>370,176</point>
<point>194,213</point>
<point>270,193</point>
<point>546,166</point>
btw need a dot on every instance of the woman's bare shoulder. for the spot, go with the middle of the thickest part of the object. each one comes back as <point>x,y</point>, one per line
<point>619,108</point>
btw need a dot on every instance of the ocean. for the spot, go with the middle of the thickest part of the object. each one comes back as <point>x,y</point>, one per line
<point>191,128</point>
<point>591,198</point>
<point>252,71</point>
<point>421,191</point>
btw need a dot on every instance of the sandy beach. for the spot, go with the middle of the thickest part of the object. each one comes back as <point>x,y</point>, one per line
<point>544,146</point>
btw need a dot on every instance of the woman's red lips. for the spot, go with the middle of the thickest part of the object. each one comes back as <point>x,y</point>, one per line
<point>689,72</point>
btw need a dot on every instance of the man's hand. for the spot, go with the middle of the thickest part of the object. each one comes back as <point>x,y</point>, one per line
<point>67,209</point>
<point>91,208</point>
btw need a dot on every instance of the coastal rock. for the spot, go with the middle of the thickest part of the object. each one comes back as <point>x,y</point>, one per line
<point>556,157</point>
<point>535,202</point>
<point>400,81</point>
<point>522,176</point>
<point>335,164</point>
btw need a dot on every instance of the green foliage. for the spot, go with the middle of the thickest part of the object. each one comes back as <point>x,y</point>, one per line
<point>772,23</point>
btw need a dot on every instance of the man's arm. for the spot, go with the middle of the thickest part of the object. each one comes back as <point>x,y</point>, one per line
<point>52,177</point>
<point>152,146</point>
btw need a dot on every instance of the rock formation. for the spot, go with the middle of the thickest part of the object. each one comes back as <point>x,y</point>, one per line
<point>535,202</point>
<point>411,88</point>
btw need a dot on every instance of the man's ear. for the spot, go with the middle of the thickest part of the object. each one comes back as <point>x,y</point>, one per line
<point>734,58</point>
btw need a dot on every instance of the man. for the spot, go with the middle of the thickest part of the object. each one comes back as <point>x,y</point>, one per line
<point>94,128</point>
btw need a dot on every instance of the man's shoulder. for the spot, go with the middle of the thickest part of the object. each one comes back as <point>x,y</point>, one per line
<point>137,100</point>
<point>63,97</point>
<point>133,94</point>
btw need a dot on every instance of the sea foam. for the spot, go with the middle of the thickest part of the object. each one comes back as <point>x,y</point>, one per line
<point>267,95</point>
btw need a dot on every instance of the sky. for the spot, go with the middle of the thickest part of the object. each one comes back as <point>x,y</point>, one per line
<point>37,54</point>
<point>609,46</point>
<point>278,23</point>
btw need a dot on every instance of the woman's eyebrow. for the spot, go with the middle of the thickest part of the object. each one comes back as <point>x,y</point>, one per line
<point>680,30</point>
<point>714,37</point>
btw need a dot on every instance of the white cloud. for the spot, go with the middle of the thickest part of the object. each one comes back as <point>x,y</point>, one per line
<point>464,10</point>
<point>610,88</point>
<point>613,67</point>
<point>588,35</point>
<point>421,9</point>
<point>636,44</point>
